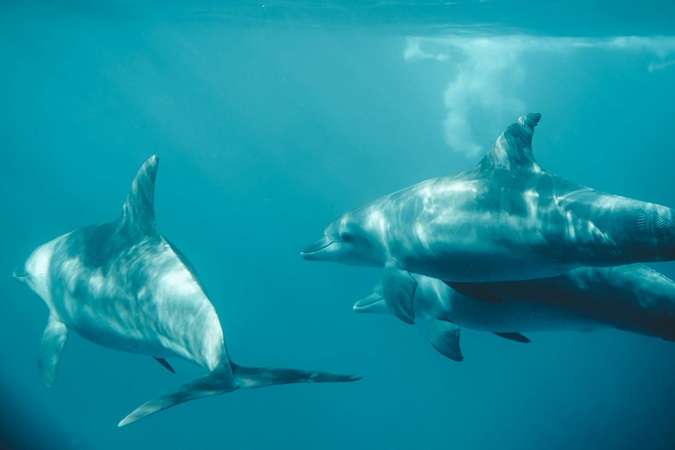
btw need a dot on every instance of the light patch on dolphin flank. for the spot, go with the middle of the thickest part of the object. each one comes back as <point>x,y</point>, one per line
<point>377,221</point>
<point>428,201</point>
<point>97,282</point>
<point>179,281</point>
<point>73,268</point>
<point>599,235</point>
<point>456,186</point>
<point>531,198</point>
<point>570,229</point>
<point>421,234</point>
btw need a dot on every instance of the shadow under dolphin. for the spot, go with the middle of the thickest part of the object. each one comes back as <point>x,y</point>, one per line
<point>123,285</point>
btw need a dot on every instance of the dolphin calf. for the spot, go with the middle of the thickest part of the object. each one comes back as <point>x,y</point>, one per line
<point>505,219</point>
<point>632,298</point>
<point>123,285</point>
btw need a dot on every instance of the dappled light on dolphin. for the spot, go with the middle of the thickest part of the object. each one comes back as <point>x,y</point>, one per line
<point>123,285</point>
<point>631,298</point>
<point>506,219</point>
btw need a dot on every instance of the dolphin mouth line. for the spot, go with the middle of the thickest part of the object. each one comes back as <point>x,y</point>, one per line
<point>316,247</point>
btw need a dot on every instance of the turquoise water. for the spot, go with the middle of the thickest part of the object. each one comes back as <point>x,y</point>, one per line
<point>271,119</point>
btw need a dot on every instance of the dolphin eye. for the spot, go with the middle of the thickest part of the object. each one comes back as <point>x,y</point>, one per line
<point>347,237</point>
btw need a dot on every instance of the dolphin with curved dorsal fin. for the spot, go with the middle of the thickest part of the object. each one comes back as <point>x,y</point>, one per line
<point>506,219</point>
<point>124,286</point>
<point>631,298</point>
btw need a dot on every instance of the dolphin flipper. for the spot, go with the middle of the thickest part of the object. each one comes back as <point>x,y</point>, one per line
<point>444,337</point>
<point>53,340</point>
<point>165,364</point>
<point>227,378</point>
<point>398,289</point>
<point>517,337</point>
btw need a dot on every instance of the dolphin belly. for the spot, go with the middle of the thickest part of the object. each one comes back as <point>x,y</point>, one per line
<point>436,299</point>
<point>516,316</point>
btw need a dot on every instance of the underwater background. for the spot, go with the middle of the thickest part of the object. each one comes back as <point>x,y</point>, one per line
<point>271,119</point>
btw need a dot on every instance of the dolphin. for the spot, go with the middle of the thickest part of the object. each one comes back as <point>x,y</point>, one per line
<point>123,285</point>
<point>506,219</point>
<point>631,298</point>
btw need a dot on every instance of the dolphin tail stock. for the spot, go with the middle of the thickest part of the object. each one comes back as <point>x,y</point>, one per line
<point>226,378</point>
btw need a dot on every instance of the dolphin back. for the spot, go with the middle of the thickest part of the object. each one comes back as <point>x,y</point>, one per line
<point>229,377</point>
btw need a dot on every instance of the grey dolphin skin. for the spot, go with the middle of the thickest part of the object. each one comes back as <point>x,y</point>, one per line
<point>124,286</point>
<point>632,298</point>
<point>506,219</point>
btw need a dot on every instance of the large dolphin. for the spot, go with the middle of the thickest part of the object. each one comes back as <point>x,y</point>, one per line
<point>632,298</point>
<point>123,285</point>
<point>506,219</point>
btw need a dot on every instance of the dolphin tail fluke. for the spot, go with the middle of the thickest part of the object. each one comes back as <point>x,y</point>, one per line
<point>255,377</point>
<point>227,378</point>
<point>217,382</point>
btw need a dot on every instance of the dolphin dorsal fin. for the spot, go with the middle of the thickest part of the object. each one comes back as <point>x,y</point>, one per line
<point>139,209</point>
<point>513,149</point>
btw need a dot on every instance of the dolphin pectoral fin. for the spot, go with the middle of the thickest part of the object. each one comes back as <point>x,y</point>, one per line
<point>444,337</point>
<point>398,289</point>
<point>165,363</point>
<point>477,291</point>
<point>513,337</point>
<point>373,304</point>
<point>53,340</point>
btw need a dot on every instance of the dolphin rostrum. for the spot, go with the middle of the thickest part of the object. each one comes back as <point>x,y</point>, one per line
<point>506,219</point>
<point>123,285</point>
<point>631,298</point>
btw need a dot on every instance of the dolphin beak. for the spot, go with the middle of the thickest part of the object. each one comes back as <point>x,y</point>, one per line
<point>319,250</point>
<point>20,275</point>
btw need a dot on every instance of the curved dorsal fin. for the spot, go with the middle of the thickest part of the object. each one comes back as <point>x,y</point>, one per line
<point>139,209</point>
<point>513,149</point>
